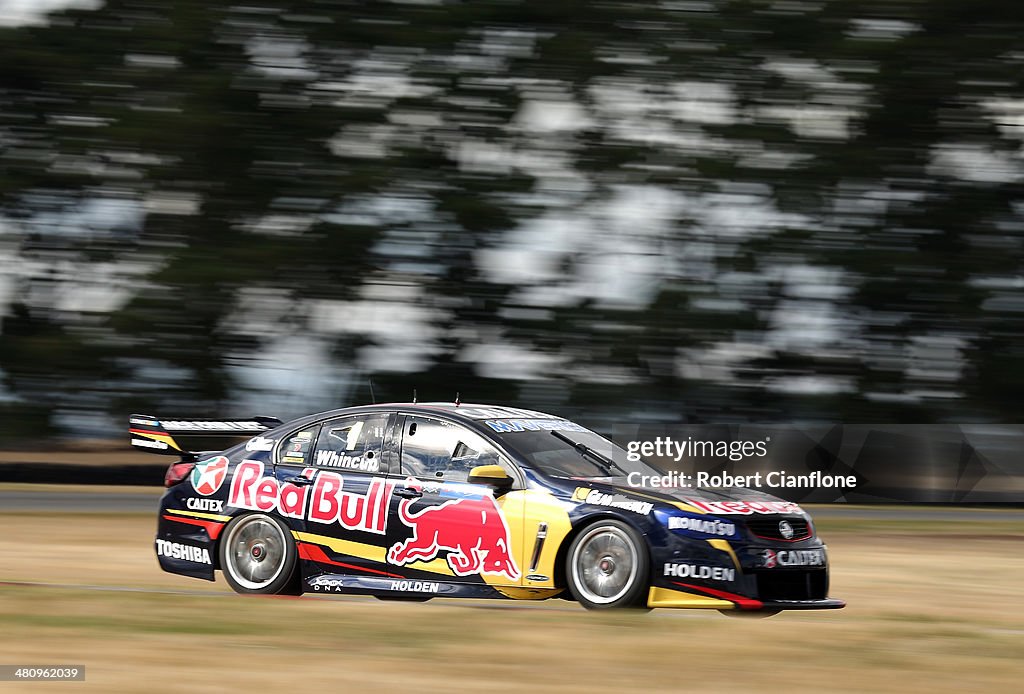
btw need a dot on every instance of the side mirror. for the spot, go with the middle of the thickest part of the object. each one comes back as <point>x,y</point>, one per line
<point>493,476</point>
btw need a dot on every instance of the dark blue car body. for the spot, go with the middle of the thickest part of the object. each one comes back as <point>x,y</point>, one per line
<point>414,501</point>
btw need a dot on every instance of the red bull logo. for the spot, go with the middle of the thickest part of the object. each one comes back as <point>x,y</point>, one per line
<point>324,502</point>
<point>472,531</point>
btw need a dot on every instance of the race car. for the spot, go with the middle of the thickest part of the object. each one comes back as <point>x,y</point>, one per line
<point>416,501</point>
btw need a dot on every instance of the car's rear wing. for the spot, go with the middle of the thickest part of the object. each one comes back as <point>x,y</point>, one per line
<point>157,435</point>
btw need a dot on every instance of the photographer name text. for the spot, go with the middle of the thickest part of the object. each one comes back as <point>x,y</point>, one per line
<point>776,479</point>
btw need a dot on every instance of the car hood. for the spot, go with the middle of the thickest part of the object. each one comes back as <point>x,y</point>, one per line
<point>731,501</point>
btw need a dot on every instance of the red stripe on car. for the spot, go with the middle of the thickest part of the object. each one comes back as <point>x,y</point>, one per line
<point>213,528</point>
<point>745,603</point>
<point>315,553</point>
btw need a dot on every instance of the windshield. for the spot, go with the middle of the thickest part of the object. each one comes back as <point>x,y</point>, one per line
<point>556,457</point>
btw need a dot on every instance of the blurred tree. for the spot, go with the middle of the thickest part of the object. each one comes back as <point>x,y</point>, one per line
<point>732,210</point>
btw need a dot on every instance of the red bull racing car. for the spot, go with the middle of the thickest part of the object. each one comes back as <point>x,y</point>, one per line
<point>415,501</point>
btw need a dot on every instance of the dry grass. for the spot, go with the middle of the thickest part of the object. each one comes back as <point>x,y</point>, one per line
<point>934,613</point>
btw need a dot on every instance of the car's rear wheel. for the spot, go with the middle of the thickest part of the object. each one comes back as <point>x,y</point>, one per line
<point>607,566</point>
<point>258,556</point>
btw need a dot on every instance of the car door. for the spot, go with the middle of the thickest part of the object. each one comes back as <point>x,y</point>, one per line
<point>347,507</point>
<point>441,527</point>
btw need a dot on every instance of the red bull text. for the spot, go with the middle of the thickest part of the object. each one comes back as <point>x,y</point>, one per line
<point>323,502</point>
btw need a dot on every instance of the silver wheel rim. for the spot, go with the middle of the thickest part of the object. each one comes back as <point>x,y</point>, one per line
<point>604,564</point>
<point>254,552</point>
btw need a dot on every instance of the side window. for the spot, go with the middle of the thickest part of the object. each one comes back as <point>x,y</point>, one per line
<point>295,449</point>
<point>442,450</point>
<point>352,443</point>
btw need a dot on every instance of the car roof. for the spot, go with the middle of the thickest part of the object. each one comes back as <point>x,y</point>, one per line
<point>470,413</point>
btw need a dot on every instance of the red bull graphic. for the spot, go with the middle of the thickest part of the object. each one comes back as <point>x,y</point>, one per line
<point>745,508</point>
<point>472,530</point>
<point>323,502</point>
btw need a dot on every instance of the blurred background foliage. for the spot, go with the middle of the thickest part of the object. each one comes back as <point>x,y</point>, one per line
<point>707,210</point>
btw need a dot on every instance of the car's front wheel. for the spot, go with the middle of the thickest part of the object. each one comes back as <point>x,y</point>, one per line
<point>607,566</point>
<point>258,556</point>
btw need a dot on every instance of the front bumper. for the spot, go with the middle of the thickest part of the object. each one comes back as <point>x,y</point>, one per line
<point>697,597</point>
<point>745,573</point>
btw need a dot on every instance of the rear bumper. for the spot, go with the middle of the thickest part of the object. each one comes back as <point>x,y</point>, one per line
<point>186,541</point>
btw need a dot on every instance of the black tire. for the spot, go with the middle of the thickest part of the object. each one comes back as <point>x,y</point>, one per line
<point>750,614</point>
<point>607,566</point>
<point>258,556</point>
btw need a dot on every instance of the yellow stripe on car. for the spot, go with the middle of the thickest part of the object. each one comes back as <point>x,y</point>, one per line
<point>663,597</point>
<point>361,550</point>
<point>197,514</point>
<point>724,546</point>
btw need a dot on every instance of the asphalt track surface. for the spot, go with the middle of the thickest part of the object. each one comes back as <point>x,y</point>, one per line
<point>43,501</point>
<point>79,502</point>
